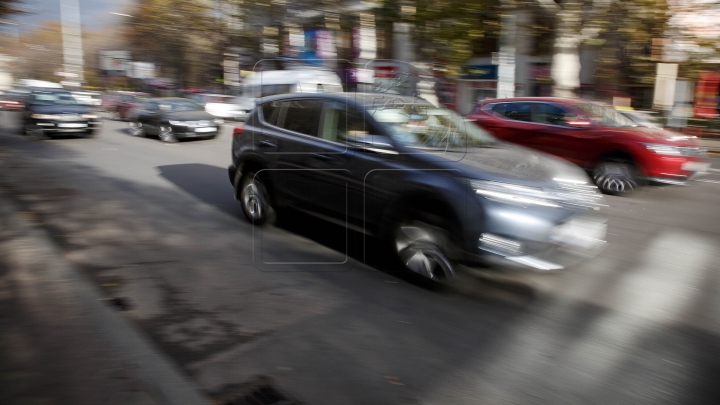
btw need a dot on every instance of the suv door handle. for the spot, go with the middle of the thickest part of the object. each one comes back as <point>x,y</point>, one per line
<point>322,156</point>
<point>267,144</point>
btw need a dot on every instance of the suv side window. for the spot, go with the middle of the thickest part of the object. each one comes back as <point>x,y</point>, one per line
<point>544,113</point>
<point>340,123</point>
<point>271,111</point>
<point>301,116</point>
<point>513,111</point>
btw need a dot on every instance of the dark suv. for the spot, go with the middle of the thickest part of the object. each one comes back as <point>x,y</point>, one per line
<point>439,188</point>
<point>617,152</point>
<point>55,112</point>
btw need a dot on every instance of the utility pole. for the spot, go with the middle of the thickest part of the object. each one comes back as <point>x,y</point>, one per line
<point>508,44</point>
<point>72,39</point>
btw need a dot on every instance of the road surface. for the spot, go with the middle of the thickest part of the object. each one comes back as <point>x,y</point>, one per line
<point>318,312</point>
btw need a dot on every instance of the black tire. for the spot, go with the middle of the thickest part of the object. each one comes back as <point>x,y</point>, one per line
<point>423,248</point>
<point>165,133</point>
<point>616,177</point>
<point>255,199</point>
<point>137,129</point>
<point>34,132</point>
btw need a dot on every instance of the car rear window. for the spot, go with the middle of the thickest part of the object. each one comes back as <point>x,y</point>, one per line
<point>513,111</point>
<point>271,111</point>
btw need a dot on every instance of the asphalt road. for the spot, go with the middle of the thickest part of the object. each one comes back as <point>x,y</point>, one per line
<point>296,304</point>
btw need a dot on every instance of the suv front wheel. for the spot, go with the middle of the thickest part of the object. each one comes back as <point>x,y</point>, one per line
<point>615,177</point>
<point>421,248</point>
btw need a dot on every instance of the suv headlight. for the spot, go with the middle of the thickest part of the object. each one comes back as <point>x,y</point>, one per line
<point>89,116</point>
<point>44,116</point>
<point>663,149</point>
<point>511,193</point>
<point>177,122</point>
<point>218,121</point>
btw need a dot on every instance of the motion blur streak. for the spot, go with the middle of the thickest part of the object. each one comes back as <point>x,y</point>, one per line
<point>627,302</point>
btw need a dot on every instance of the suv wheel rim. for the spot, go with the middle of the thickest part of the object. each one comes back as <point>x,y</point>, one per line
<point>253,200</point>
<point>615,178</point>
<point>136,128</point>
<point>166,134</point>
<point>416,248</point>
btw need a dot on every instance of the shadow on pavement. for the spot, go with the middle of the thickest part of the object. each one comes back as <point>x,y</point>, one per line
<point>208,184</point>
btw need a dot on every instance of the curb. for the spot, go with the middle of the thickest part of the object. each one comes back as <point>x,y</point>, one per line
<point>163,380</point>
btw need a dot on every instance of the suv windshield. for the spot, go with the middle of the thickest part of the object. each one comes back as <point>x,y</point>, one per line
<point>424,126</point>
<point>179,105</point>
<point>605,116</point>
<point>53,99</point>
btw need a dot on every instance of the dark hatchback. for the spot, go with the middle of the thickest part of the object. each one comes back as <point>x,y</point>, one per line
<point>172,118</point>
<point>440,189</point>
<point>55,112</point>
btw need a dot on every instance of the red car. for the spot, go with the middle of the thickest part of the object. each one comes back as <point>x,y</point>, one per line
<point>12,101</point>
<point>613,149</point>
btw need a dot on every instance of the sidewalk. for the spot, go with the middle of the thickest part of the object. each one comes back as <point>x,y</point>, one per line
<point>59,343</point>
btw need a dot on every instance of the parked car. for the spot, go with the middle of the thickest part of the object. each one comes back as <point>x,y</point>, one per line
<point>127,102</point>
<point>613,149</point>
<point>440,190</point>
<point>642,118</point>
<point>108,103</point>
<point>12,101</point>
<point>55,112</point>
<point>88,98</point>
<point>242,107</point>
<point>172,119</point>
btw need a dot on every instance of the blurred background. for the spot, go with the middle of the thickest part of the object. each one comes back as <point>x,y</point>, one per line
<point>158,233</point>
<point>644,54</point>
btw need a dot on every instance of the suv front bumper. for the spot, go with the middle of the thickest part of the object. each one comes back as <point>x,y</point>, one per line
<point>67,126</point>
<point>579,238</point>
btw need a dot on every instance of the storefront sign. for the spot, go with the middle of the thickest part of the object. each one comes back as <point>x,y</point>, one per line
<point>487,72</point>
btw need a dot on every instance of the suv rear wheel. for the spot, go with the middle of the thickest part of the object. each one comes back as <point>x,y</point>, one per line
<point>255,199</point>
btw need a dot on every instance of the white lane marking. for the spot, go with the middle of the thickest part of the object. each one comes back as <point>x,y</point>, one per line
<point>714,170</point>
<point>708,181</point>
